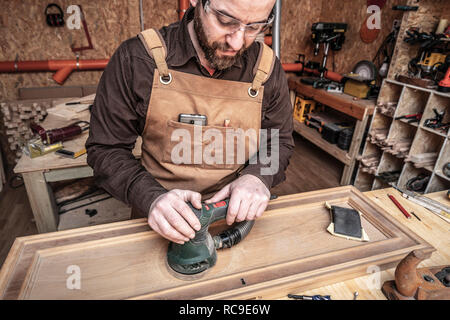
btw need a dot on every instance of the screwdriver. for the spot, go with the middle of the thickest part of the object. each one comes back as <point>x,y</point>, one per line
<point>315,297</point>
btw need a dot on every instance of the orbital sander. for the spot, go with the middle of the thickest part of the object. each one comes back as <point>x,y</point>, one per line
<point>199,254</point>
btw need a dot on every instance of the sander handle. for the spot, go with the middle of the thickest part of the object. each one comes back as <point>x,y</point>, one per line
<point>207,215</point>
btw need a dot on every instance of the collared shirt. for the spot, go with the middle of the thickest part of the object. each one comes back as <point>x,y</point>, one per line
<point>120,108</point>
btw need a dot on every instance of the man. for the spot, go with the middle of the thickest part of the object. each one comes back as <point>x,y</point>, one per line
<point>208,64</point>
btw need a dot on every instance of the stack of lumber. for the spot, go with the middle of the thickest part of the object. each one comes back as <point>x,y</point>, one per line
<point>387,108</point>
<point>423,160</point>
<point>398,148</point>
<point>378,136</point>
<point>369,163</point>
<point>17,116</point>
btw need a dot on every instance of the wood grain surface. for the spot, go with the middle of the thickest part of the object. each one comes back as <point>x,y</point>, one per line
<point>289,248</point>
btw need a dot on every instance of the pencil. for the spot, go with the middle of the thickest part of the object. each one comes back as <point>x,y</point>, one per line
<point>405,213</point>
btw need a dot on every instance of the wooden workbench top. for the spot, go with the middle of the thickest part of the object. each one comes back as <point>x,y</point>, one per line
<point>432,229</point>
<point>342,102</point>
<point>305,257</point>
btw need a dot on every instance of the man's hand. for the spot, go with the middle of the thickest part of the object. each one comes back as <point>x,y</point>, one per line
<point>172,218</point>
<point>249,197</point>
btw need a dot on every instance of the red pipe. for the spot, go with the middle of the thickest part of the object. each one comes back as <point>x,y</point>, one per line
<point>298,67</point>
<point>63,68</point>
<point>183,5</point>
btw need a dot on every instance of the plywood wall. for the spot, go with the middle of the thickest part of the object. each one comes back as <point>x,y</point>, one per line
<point>426,19</point>
<point>24,33</point>
<point>354,13</point>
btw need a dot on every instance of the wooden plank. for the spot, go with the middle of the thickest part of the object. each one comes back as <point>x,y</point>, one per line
<point>315,137</point>
<point>41,201</point>
<point>68,174</point>
<point>354,149</point>
<point>284,250</point>
<point>431,229</point>
<point>341,102</point>
<point>15,267</point>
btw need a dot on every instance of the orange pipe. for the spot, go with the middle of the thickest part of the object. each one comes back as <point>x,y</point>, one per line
<point>298,67</point>
<point>63,68</point>
<point>183,5</point>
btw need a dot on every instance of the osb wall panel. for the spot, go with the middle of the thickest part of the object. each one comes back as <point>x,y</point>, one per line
<point>354,13</point>
<point>158,13</point>
<point>426,19</point>
<point>297,18</point>
<point>24,32</point>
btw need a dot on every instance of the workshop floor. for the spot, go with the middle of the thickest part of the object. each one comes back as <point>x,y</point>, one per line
<point>310,169</point>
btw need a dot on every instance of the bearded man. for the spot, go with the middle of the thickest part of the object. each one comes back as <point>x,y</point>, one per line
<point>208,69</point>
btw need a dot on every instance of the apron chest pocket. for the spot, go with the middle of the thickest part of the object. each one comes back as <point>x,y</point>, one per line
<point>209,147</point>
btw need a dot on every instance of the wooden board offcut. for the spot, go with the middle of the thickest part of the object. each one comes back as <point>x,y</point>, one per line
<point>287,249</point>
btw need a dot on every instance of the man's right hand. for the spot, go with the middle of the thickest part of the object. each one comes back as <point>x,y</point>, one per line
<point>172,218</point>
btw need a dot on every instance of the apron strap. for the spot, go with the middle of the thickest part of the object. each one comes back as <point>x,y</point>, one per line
<point>156,48</point>
<point>263,68</point>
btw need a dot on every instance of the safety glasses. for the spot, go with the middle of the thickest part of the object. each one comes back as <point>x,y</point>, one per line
<point>231,25</point>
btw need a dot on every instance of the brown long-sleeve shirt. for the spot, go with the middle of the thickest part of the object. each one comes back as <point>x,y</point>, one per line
<point>123,94</point>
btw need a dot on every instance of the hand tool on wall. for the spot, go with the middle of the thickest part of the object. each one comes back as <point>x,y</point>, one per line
<point>332,36</point>
<point>405,8</point>
<point>61,134</point>
<point>418,284</point>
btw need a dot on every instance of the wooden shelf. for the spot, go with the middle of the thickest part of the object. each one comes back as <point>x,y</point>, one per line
<point>316,138</point>
<point>414,124</point>
<point>434,131</point>
<point>443,176</point>
<point>342,102</point>
<point>410,99</point>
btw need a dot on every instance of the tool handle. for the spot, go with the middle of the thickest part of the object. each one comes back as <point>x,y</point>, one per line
<point>405,213</point>
<point>207,215</point>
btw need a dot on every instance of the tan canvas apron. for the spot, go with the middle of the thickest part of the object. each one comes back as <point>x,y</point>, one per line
<point>222,101</point>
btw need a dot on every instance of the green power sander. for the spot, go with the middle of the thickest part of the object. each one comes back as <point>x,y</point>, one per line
<point>199,254</point>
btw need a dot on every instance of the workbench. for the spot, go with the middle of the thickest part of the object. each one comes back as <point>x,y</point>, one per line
<point>358,109</point>
<point>432,229</point>
<point>37,173</point>
<point>36,264</point>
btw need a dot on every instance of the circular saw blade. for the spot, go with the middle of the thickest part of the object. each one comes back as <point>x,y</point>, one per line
<point>366,70</point>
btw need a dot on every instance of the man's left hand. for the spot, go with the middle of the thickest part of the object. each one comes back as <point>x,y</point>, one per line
<point>248,195</point>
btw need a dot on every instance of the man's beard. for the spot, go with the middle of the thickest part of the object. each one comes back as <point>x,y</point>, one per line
<point>216,62</point>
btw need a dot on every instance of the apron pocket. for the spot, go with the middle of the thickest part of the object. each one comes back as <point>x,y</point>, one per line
<point>209,147</point>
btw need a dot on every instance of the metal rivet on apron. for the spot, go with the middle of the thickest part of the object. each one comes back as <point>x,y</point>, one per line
<point>253,93</point>
<point>161,79</point>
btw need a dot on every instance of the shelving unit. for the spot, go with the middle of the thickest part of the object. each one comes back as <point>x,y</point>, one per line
<point>391,143</point>
<point>354,111</point>
<point>409,99</point>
